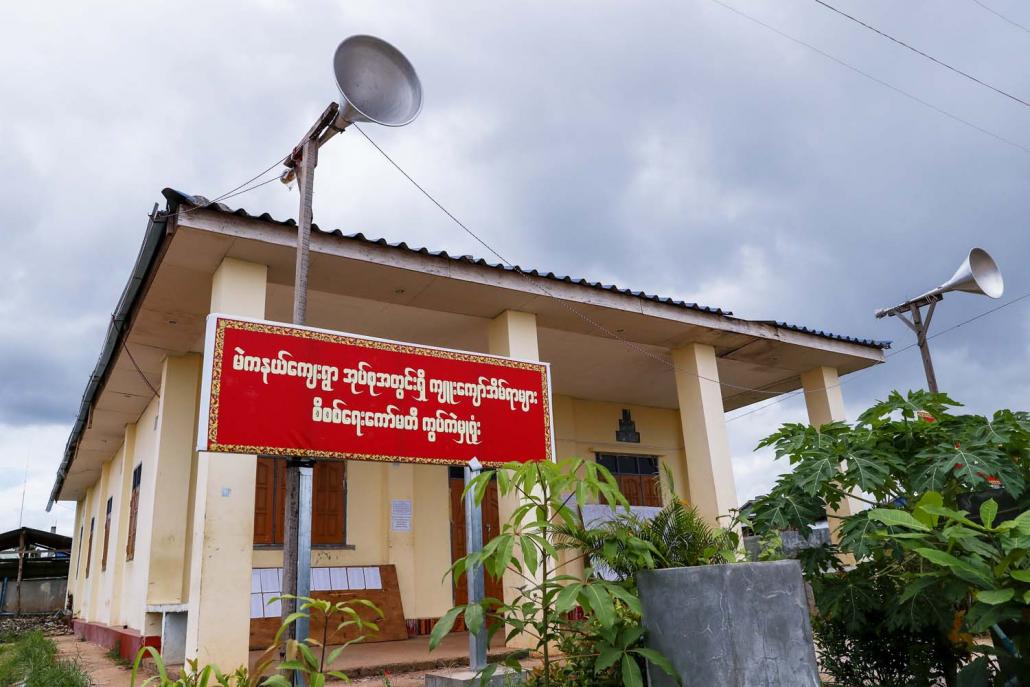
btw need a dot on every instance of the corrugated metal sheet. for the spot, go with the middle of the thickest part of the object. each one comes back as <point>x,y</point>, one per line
<point>176,198</point>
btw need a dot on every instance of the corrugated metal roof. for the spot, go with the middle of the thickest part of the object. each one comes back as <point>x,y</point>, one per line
<point>176,198</point>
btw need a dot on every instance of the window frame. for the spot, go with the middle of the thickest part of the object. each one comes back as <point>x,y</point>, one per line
<point>134,496</point>
<point>642,465</point>
<point>107,532</point>
<point>277,500</point>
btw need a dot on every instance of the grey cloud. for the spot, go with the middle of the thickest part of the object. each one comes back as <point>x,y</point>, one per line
<point>674,147</point>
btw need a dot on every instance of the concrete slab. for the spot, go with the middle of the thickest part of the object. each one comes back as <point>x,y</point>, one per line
<point>739,625</point>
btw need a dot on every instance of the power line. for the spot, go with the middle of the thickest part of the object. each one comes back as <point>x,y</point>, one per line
<point>515,268</point>
<point>875,79</point>
<point>239,190</point>
<point>921,53</point>
<point>1002,16</point>
<point>952,328</point>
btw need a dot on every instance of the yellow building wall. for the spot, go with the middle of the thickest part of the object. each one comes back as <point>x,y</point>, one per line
<point>112,480</point>
<point>585,428</point>
<point>135,572</point>
<point>421,556</point>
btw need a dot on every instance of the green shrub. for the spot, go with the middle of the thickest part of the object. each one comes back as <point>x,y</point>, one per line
<point>930,575</point>
<point>32,658</point>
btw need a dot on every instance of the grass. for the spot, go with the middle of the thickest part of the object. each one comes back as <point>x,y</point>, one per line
<point>33,658</point>
<point>116,655</point>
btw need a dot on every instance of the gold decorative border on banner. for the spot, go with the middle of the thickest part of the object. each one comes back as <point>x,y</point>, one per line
<point>392,346</point>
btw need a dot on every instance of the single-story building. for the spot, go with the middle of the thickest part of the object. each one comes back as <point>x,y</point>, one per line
<point>182,549</point>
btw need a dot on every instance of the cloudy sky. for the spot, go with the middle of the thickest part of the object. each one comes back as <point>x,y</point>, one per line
<point>676,147</point>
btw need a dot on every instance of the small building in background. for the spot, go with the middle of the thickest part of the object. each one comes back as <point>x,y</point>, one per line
<point>33,571</point>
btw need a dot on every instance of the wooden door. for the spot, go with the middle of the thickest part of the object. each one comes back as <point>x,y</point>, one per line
<point>491,528</point>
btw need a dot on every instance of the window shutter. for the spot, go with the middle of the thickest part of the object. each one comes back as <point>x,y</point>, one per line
<point>327,503</point>
<point>130,543</point>
<point>264,501</point>
<point>279,502</point>
<point>107,533</point>
<point>89,550</point>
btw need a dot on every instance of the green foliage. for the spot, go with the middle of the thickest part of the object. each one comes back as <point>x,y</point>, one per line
<point>311,658</point>
<point>32,658</point>
<point>927,571</point>
<point>603,648</point>
<point>675,537</point>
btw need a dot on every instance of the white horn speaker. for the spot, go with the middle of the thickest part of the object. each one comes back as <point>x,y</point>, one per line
<point>377,83</point>
<point>978,273</point>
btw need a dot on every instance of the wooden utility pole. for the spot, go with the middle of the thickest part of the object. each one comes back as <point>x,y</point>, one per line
<point>297,511</point>
<point>21,570</point>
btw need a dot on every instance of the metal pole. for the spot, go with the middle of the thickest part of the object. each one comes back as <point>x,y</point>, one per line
<point>476,581</point>
<point>297,518</point>
<point>304,544</point>
<point>924,348</point>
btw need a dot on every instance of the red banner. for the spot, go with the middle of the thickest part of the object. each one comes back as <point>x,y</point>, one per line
<point>277,389</point>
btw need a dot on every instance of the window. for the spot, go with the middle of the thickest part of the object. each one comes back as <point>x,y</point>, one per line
<point>107,533</point>
<point>637,477</point>
<point>130,544</point>
<point>328,503</point>
<point>78,560</point>
<point>89,549</point>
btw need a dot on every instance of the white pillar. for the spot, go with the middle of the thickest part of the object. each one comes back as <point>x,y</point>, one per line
<point>513,334</point>
<point>218,620</point>
<point>822,396</point>
<point>825,405</point>
<point>709,468</point>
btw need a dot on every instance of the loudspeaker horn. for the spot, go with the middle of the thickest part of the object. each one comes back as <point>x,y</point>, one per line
<point>978,273</point>
<point>377,83</point>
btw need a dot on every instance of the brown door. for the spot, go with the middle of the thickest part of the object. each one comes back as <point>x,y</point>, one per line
<point>491,528</point>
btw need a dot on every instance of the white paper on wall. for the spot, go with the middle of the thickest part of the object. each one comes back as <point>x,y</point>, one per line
<point>372,578</point>
<point>273,609</point>
<point>269,580</point>
<point>255,582</point>
<point>257,606</point>
<point>400,515</point>
<point>320,580</point>
<point>279,576</point>
<point>355,578</point>
<point>338,579</point>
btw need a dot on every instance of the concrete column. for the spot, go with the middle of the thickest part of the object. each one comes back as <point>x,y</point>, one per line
<point>822,396</point>
<point>400,546</point>
<point>710,483</point>
<point>74,566</point>
<point>172,473</point>
<point>120,536</point>
<point>222,537</point>
<point>825,405</point>
<point>513,334</point>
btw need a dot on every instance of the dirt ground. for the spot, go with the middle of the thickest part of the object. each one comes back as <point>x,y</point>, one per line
<point>94,660</point>
<point>107,673</point>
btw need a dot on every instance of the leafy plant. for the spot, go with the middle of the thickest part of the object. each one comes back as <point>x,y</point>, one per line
<point>31,660</point>
<point>904,454</point>
<point>675,537</point>
<point>982,566</point>
<point>311,658</point>
<point>607,639</point>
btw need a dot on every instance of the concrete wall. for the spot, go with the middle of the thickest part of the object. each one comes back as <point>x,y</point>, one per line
<point>38,595</point>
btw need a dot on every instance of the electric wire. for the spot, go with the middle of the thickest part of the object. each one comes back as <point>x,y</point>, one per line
<point>1002,16</point>
<point>917,51</point>
<point>633,345</point>
<point>607,331</point>
<point>886,84</point>
<point>239,190</point>
<point>851,377</point>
